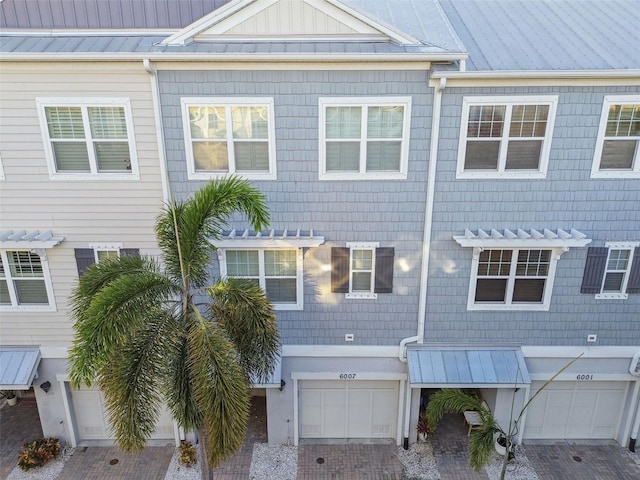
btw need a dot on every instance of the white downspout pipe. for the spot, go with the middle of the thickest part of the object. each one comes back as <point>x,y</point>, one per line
<point>428,220</point>
<point>426,243</point>
<point>164,170</point>
<point>636,425</point>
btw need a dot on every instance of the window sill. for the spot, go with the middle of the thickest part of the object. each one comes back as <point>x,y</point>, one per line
<point>611,296</point>
<point>615,174</point>
<point>364,176</point>
<point>94,176</point>
<point>491,174</point>
<point>361,296</point>
<point>28,308</point>
<point>509,308</point>
<point>249,176</point>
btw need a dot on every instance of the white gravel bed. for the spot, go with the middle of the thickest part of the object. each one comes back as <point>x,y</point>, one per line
<point>177,471</point>
<point>635,456</point>
<point>49,471</point>
<point>419,462</point>
<point>271,462</point>
<point>518,468</point>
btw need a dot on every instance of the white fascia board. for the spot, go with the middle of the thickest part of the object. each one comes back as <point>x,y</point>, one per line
<point>537,351</point>
<point>359,375</point>
<point>235,57</point>
<point>469,385</point>
<point>54,352</point>
<point>514,74</point>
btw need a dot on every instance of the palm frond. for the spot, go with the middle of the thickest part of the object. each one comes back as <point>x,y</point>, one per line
<point>132,381</point>
<point>481,444</point>
<point>112,297</point>
<point>244,311</point>
<point>202,218</point>
<point>221,390</point>
<point>453,400</point>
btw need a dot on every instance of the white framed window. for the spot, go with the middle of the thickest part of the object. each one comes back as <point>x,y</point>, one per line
<point>512,279</point>
<point>25,282</point>
<point>362,260</point>
<point>617,152</point>
<point>364,138</point>
<point>88,138</point>
<point>505,137</point>
<point>105,250</point>
<point>225,135</point>
<point>362,270</point>
<point>617,270</point>
<point>277,271</point>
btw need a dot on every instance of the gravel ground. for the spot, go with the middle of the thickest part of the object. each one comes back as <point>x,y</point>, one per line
<point>270,462</point>
<point>517,469</point>
<point>419,462</point>
<point>635,456</point>
<point>177,471</point>
<point>49,472</point>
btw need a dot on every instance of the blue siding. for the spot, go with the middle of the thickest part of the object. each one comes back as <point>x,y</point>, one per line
<point>604,209</point>
<point>389,212</point>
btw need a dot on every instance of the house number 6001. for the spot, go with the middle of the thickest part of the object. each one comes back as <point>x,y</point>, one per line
<point>347,376</point>
<point>584,377</point>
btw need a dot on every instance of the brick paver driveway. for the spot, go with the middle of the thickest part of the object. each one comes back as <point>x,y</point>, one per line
<point>18,424</point>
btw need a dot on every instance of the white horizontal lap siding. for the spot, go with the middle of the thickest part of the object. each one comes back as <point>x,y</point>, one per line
<point>348,409</point>
<point>81,211</point>
<point>576,410</point>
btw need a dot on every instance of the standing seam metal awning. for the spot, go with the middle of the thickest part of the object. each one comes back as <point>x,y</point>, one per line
<point>18,366</point>
<point>432,367</point>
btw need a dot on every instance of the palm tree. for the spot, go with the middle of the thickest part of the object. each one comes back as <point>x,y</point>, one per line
<point>154,331</point>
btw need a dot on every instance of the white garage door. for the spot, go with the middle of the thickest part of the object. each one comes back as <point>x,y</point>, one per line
<point>92,421</point>
<point>579,410</point>
<point>348,409</point>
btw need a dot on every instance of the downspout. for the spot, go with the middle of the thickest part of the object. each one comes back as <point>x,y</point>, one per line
<point>164,171</point>
<point>636,424</point>
<point>426,246</point>
<point>428,220</point>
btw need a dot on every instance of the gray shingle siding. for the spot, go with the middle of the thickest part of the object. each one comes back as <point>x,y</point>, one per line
<point>603,209</point>
<point>389,212</point>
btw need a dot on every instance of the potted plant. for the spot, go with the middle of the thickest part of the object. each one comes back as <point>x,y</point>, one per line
<point>423,427</point>
<point>10,395</point>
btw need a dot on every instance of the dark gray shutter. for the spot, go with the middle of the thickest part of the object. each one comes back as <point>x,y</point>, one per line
<point>340,270</point>
<point>384,270</point>
<point>130,252</point>
<point>633,285</point>
<point>594,269</point>
<point>85,257</point>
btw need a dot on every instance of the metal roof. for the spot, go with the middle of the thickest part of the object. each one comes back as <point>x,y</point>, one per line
<point>103,14</point>
<point>18,366</point>
<point>466,366</point>
<point>547,34</point>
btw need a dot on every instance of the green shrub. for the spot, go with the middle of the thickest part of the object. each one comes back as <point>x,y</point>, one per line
<point>38,452</point>
<point>187,453</point>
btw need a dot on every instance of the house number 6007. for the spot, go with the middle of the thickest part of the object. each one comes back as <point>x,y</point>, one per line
<point>347,376</point>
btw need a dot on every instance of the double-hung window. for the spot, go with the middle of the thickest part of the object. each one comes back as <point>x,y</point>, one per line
<point>505,137</point>
<point>364,138</point>
<point>97,252</point>
<point>277,271</point>
<point>617,152</point>
<point>613,271</point>
<point>515,269</point>
<point>229,135</point>
<point>24,281</point>
<point>362,270</point>
<point>88,138</point>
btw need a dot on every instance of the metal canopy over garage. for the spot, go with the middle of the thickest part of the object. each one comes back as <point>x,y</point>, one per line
<point>441,367</point>
<point>18,366</point>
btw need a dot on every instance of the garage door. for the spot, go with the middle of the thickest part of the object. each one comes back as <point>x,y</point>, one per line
<point>348,409</point>
<point>92,421</point>
<point>578,410</point>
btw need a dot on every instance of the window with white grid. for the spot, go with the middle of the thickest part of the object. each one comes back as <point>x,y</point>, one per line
<point>618,146</point>
<point>277,271</point>
<point>505,137</point>
<point>617,270</point>
<point>88,138</point>
<point>24,281</point>
<point>364,138</point>
<point>229,135</point>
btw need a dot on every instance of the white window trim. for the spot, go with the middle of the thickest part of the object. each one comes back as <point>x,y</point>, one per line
<point>299,305</point>
<point>46,274</point>
<point>268,102</point>
<point>548,287</point>
<point>362,246</point>
<point>622,295</point>
<point>1,169</point>
<point>595,168</point>
<point>85,102</point>
<point>364,102</point>
<point>101,247</point>
<point>501,173</point>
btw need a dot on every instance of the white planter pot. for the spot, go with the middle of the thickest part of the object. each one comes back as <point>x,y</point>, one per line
<point>499,448</point>
<point>12,401</point>
<point>422,437</point>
